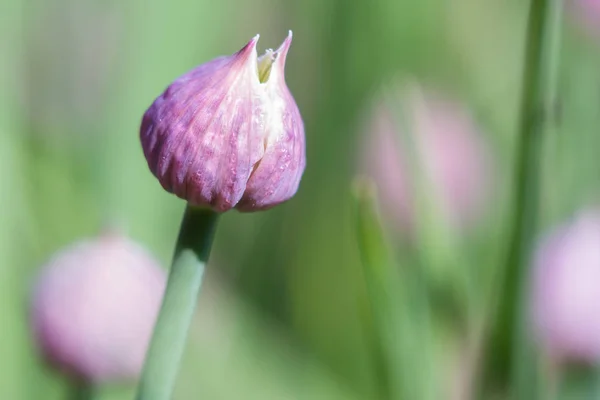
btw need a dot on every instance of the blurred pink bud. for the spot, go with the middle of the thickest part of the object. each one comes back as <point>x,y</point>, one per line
<point>94,306</point>
<point>587,14</point>
<point>566,290</point>
<point>449,154</point>
<point>228,133</point>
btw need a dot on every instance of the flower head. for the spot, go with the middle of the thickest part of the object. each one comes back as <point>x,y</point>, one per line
<point>442,142</point>
<point>565,298</point>
<point>586,14</point>
<point>228,133</point>
<point>94,306</point>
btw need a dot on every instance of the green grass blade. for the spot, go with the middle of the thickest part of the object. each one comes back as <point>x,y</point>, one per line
<point>512,356</point>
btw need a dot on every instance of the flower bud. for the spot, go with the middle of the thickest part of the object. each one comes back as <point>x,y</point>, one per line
<point>94,306</point>
<point>565,297</point>
<point>439,144</point>
<point>228,133</point>
<point>586,15</point>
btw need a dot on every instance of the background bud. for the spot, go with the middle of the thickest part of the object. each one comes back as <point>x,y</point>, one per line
<point>449,153</point>
<point>586,13</point>
<point>94,306</point>
<point>228,133</point>
<point>566,291</point>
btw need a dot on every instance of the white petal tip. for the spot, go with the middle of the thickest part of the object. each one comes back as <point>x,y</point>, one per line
<point>283,49</point>
<point>250,47</point>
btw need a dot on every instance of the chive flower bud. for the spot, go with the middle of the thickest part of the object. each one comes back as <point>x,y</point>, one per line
<point>586,15</point>
<point>565,296</point>
<point>228,133</point>
<point>93,308</point>
<point>441,145</point>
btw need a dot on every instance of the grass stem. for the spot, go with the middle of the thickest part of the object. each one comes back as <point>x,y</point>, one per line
<point>179,302</point>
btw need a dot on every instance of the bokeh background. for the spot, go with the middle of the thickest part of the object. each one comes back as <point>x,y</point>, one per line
<point>281,312</point>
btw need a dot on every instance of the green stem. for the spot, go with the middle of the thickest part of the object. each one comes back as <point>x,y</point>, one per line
<point>554,29</point>
<point>377,266</point>
<point>579,382</point>
<point>399,321</point>
<point>511,355</point>
<point>170,333</point>
<point>80,389</point>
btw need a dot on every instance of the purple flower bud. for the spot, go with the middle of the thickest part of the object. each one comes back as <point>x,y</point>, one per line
<point>228,133</point>
<point>586,14</point>
<point>566,290</point>
<point>94,306</point>
<point>447,149</point>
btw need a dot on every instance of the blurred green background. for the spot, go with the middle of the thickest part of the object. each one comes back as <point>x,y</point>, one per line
<point>280,315</point>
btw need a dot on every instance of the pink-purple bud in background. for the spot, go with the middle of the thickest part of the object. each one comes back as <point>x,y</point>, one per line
<point>565,297</point>
<point>228,133</point>
<point>438,143</point>
<point>586,14</point>
<point>94,306</point>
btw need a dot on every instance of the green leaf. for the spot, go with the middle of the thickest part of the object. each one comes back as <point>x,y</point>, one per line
<point>513,360</point>
<point>398,327</point>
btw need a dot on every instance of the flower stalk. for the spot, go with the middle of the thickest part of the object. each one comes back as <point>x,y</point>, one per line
<point>185,278</point>
<point>512,358</point>
<point>80,389</point>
